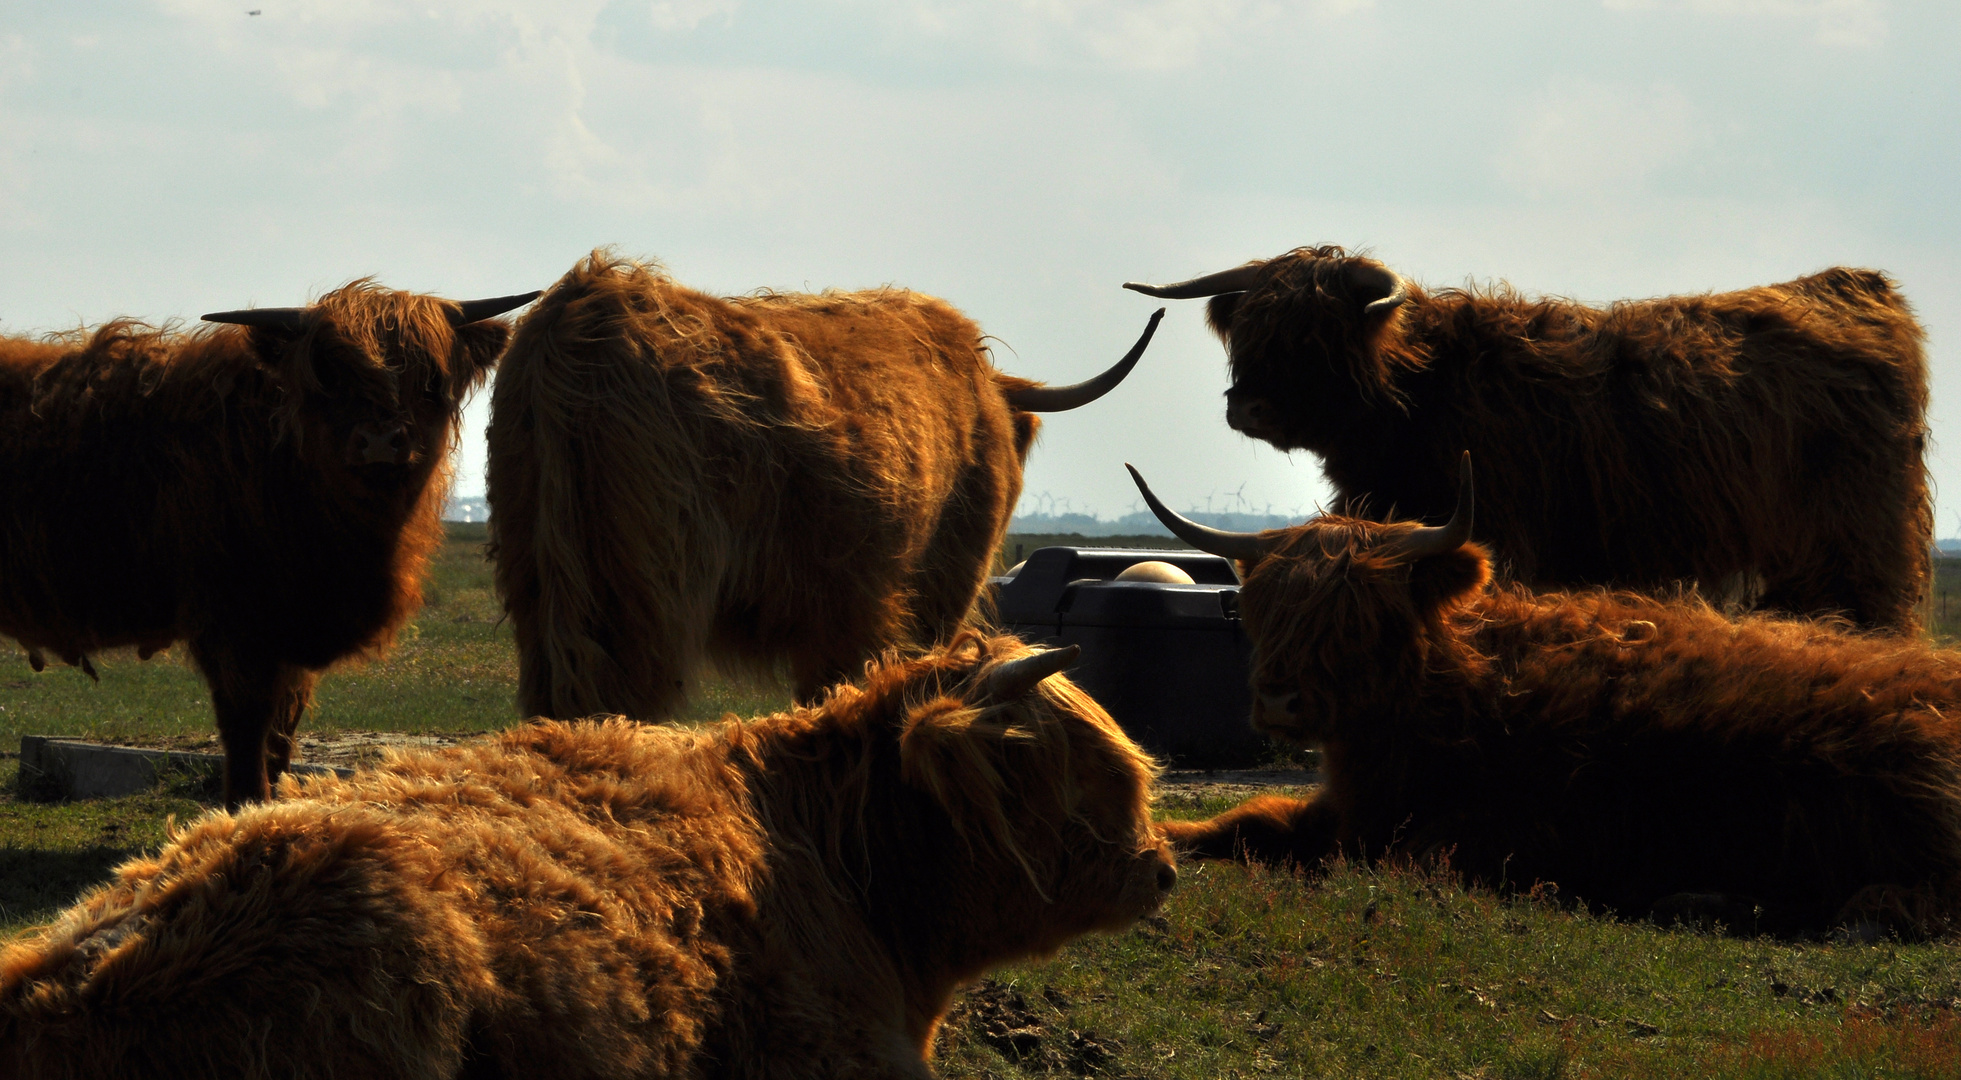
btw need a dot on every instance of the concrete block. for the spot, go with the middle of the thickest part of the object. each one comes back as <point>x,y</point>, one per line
<point>55,769</point>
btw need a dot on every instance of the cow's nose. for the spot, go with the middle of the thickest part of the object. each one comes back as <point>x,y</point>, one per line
<point>378,444</point>
<point>1281,702</point>
<point>1167,877</point>
<point>1242,413</point>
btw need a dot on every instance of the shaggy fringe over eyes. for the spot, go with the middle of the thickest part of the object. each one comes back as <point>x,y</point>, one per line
<point>1278,317</point>
<point>973,758</point>
<point>1332,589</point>
<point>407,334</point>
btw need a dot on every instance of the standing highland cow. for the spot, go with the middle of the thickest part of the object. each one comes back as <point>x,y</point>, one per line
<point>265,492</point>
<point>1632,750</point>
<point>1770,438</point>
<point>794,896</point>
<point>783,479</point>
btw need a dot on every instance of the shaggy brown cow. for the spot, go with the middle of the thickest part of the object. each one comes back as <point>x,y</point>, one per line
<point>1630,749</point>
<point>792,896</point>
<point>1767,439</point>
<point>774,480</point>
<point>267,492</point>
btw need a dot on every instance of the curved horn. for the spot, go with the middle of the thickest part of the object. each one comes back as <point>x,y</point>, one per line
<point>479,310</point>
<point>1237,279</point>
<point>1246,547</point>
<point>1063,398</point>
<point>1452,534</point>
<point>1009,680</point>
<point>1373,277</point>
<point>271,318</point>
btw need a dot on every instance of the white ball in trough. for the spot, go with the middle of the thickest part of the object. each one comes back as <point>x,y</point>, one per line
<point>1153,570</point>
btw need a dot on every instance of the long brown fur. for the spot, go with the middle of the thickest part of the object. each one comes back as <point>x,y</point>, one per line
<point>798,895</point>
<point>1766,440</point>
<point>678,480</point>
<point>210,487</point>
<point>1626,748</point>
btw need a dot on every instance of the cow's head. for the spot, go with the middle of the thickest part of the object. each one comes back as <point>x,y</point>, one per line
<point>1033,804</point>
<point>1310,337</point>
<point>373,380</point>
<point>1345,614</point>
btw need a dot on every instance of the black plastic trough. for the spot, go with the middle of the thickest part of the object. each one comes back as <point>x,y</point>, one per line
<point>1168,661</point>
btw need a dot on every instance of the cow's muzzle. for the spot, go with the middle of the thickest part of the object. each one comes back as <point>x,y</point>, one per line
<point>379,444</point>
<point>1251,415</point>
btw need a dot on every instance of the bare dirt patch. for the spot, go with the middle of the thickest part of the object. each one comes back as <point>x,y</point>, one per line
<point>342,749</point>
<point>1192,788</point>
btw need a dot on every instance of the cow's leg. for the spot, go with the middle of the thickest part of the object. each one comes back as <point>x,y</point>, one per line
<point>292,693</point>
<point>245,694</point>
<point>1267,829</point>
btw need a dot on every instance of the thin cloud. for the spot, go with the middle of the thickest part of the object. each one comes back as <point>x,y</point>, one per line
<point>1594,140</point>
<point>1857,24</point>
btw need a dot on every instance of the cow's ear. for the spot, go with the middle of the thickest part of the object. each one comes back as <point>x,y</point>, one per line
<point>290,354</point>
<point>272,346</point>
<point>1376,290</point>
<point>480,343</point>
<point>1448,579</point>
<point>1219,313</point>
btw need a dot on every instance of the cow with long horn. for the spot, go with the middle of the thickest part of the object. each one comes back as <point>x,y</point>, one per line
<point>1766,444</point>
<point>778,483</point>
<point>265,491</point>
<point>1644,754</point>
<point>798,895</point>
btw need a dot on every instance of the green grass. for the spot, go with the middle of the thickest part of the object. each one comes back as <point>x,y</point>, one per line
<point>1386,973</point>
<point>1245,973</point>
<point>453,669</point>
<point>1942,613</point>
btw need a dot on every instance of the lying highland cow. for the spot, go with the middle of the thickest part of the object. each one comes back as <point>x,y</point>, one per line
<point>1631,750</point>
<point>793,896</point>
<point>266,492</point>
<point>1767,443</point>
<point>678,479</point>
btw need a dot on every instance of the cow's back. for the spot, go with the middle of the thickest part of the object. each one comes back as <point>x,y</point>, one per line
<point>1765,441</point>
<point>1631,748</point>
<point>677,478</point>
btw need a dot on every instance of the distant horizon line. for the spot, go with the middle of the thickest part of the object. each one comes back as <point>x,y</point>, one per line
<point>475,508</point>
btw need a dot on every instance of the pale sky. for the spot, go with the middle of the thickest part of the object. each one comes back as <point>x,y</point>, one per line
<point>1021,158</point>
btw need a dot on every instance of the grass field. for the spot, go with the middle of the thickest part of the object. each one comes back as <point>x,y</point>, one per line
<point>1246,973</point>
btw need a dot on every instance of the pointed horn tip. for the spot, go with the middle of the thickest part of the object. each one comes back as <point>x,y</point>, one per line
<point>469,311</point>
<point>289,318</point>
<point>1229,545</point>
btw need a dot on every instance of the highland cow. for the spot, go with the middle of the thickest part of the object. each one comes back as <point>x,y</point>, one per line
<point>799,895</point>
<point>266,492</point>
<point>1765,443</point>
<point>778,483</point>
<point>1630,749</point>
